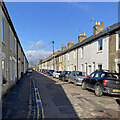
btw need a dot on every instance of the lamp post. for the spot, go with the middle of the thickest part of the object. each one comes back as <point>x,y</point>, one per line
<point>53,56</point>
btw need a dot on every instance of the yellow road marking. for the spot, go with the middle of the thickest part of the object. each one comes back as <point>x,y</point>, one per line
<point>37,102</point>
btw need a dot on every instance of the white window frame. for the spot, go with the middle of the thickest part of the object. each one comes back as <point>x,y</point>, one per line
<point>68,57</point>
<point>3,29</point>
<point>82,67</point>
<point>74,54</point>
<point>98,49</point>
<point>4,67</point>
<point>15,46</point>
<point>11,72</point>
<point>82,52</point>
<point>10,39</point>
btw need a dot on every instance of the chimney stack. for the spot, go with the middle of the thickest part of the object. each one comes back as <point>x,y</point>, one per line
<point>70,44</point>
<point>64,47</point>
<point>81,37</point>
<point>98,27</point>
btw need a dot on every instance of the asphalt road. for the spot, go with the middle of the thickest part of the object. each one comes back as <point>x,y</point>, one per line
<point>64,100</point>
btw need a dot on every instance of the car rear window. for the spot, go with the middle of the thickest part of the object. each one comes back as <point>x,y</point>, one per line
<point>115,76</point>
<point>79,73</point>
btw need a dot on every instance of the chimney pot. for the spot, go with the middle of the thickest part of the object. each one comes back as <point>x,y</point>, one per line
<point>96,23</point>
<point>101,23</point>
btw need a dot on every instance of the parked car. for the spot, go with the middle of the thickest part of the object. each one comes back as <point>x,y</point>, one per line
<point>50,72</point>
<point>29,70</point>
<point>76,77</point>
<point>102,82</point>
<point>45,71</point>
<point>64,75</point>
<point>56,74</point>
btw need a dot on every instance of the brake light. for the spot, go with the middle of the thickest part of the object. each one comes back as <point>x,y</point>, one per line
<point>66,74</point>
<point>104,82</point>
<point>88,76</point>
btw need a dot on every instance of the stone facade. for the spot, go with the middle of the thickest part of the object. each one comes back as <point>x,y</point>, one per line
<point>99,51</point>
<point>13,61</point>
<point>114,52</point>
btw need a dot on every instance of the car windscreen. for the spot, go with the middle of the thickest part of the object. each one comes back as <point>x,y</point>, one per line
<point>68,72</point>
<point>59,71</point>
<point>64,72</point>
<point>78,73</point>
<point>115,76</point>
<point>51,70</point>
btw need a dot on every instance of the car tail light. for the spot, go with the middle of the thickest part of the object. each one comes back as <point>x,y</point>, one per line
<point>66,74</point>
<point>104,82</point>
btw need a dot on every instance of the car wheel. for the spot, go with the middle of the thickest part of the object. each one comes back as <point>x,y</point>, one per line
<point>63,79</point>
<point>69,81</point>
<point>83,85</point>
<point>75,83</point>
<point>98,91</point>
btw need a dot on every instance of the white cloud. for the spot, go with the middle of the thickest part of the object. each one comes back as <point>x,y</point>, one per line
<point>37,45</point>
<point>80,5</point>
<point>35,56</point>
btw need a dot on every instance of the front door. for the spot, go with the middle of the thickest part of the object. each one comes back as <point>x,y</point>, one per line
<point>119,68</point>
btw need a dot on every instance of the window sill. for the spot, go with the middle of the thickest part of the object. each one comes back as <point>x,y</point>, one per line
<point>4,43</point>
<point>99,51</point>
<point>4,84</point>
<point>11,50</point>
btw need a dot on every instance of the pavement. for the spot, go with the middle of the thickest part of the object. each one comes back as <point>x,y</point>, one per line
<point>18,103</point>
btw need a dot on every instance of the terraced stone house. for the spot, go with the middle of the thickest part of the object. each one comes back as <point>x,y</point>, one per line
<point>13,62</point>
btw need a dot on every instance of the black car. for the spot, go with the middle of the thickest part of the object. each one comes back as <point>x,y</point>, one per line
<point>64,75</point>
<point>102,82</point>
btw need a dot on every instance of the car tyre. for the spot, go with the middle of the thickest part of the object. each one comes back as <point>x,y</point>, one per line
<point>69,81</point>
<point>98,91</point>
<point>75,83</point>
<point>63,79</point>
<point>84,86</point>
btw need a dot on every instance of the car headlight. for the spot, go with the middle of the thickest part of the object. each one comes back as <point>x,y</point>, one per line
<point>79,78</point>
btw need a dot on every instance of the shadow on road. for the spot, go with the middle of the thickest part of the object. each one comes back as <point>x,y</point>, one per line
<point>55,101</point>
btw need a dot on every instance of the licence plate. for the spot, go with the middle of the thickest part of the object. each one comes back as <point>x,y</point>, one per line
<point>116,90</point>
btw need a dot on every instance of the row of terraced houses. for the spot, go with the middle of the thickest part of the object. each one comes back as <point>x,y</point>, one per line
<point>13,62</point>
<point>99,51</point>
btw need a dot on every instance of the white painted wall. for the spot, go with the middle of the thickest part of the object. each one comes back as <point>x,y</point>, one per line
<point>91,54</point>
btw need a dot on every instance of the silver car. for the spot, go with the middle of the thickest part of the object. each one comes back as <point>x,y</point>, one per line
<point>76,77</point>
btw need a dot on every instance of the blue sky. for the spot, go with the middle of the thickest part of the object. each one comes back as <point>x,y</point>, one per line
<point>37,24</point>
